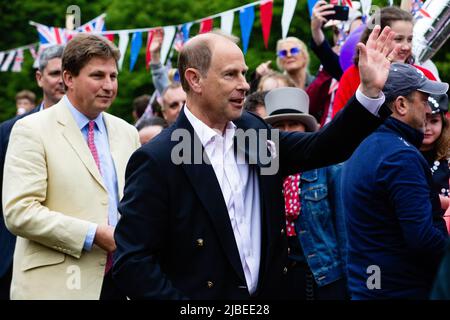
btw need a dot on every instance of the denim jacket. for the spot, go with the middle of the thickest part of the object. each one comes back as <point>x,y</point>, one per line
<point>320,226</point>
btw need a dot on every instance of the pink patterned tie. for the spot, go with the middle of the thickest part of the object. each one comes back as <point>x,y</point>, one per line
<point>93,149</point>
<point>292,204</point>
<point>91,144</point>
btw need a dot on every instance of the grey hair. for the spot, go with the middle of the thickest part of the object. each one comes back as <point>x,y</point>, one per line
<point>48,54</point>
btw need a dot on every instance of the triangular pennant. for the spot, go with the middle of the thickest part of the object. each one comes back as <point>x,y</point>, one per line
<point>365,7</point>
<point>148,55</point>
<point>186,28</point>
<point>169,34</point>
<point>311,4</point>
<point>8,60</point>
<point>226,21</point>
<point>2,56</point>
<point>38,55</point>
<point>179,39</point>
<point>348,3</point>
<point>206,25</point>
<point>288,13</point>
<point>266,13</point>
<point>18,60</point>
<point>123,43</point>
<point>136,44</point>
<point>109,36</point>
<point>246,19</point>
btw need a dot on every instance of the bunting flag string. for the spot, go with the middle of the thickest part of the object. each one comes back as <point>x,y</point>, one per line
<point>174,36</point>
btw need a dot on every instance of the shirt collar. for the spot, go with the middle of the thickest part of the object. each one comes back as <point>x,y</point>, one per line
<point>206,133</point>
<point>81,119</point>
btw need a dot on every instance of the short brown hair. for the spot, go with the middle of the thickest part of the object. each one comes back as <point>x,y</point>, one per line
<point>387,16</point>
<point>26,94</point>
<point>140,104</point>
<point>83,47</point>
<point>196,56</point>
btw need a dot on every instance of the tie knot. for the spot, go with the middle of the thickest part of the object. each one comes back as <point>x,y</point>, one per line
<point>91,125</point>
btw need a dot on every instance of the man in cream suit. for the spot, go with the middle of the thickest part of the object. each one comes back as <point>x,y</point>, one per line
<point>64,175</point>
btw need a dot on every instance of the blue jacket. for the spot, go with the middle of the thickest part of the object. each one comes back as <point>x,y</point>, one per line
<point>390,216</point>
<point>320,226</point>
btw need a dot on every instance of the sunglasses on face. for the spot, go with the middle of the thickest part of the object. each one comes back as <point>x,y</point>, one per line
<point>283,53</point>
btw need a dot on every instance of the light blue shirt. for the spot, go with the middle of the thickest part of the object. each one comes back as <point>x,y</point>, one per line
<point>106,164</point>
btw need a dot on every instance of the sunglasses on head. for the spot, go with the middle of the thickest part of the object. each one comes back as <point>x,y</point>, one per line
<point>283,53</point>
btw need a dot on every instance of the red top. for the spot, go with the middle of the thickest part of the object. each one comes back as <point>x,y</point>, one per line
<point>349,83</point>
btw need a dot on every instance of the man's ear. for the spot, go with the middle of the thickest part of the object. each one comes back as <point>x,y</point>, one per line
<point>39,78</point>
<point>194,79</point>
<point>400,105</point>
<point>67,79</point>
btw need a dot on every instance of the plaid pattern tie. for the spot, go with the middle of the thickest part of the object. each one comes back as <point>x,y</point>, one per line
<point>93,149</point>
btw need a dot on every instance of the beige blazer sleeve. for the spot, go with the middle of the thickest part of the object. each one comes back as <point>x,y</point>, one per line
<point>24,191</point>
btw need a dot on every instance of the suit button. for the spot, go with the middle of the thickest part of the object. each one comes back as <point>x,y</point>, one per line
<point>282,231</point>
<point>285,270</point>
<point>210,284</point>
<point>289,251</point>
<point>199,242</point>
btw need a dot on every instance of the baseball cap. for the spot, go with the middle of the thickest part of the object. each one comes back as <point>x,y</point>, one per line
<point>404,78</point>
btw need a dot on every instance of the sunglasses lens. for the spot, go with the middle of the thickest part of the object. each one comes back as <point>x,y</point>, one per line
<point>282,53</point>
<point>295,51</point>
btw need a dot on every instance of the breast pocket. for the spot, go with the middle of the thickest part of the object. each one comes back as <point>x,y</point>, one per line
<point>316,200</point>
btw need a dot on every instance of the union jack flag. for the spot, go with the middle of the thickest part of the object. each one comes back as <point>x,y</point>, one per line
<point>179,40</point>
<point>51,35</point>
<point>95,25</point>
<point>417,11</point>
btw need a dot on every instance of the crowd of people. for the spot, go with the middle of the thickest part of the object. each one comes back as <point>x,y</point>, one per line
<point>183,204</point>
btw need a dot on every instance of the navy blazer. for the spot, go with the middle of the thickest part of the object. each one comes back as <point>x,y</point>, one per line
<point>7,239</point>
<point>175,240</point>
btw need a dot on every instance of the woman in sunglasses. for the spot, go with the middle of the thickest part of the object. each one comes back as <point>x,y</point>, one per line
<point>292,59</point>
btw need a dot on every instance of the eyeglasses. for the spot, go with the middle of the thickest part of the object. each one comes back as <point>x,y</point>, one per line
<point>283,53</point>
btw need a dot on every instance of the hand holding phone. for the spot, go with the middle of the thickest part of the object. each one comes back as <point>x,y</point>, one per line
<point>341,13</point>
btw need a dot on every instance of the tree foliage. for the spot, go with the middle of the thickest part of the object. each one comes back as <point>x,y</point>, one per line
<point>130,14</point>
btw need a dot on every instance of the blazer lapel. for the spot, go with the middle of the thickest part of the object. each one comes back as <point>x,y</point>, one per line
<point>74,137</point>
<point>205,184</point>
<point>116,153</point>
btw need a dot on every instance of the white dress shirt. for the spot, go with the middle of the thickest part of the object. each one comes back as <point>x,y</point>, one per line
<point>240,187</point>
<point>240,190</point>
